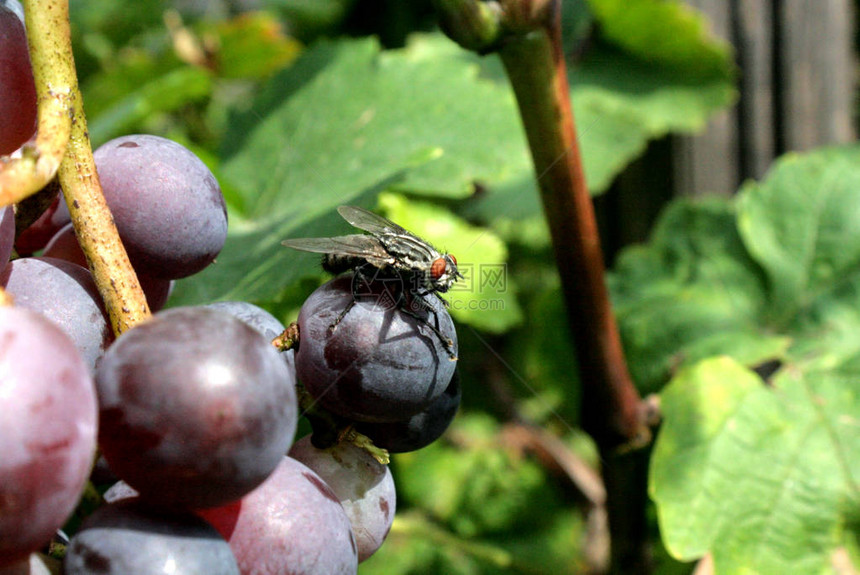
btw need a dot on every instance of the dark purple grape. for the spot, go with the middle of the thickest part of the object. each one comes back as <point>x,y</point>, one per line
<point>101,473</point>
<point>130,538</point>
<point>64,246</point>
<point>66,294</point>
<point>380,363</point>
<point>258,318</point>
<point>261,320</point>
<point>196,408</point>
<point>7,234</point>
<point>54,218</point>
<point>167,205</point>
<point>156,290</point>
<point>47,430</point>
<point>421,429</point>
<point>17,89</point>
<point>363,486</point>
<point>293,523</point>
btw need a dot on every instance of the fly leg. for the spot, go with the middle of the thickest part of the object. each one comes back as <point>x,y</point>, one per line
<point>447,343</point>
<point>341,315</point>
<point>358,276</point>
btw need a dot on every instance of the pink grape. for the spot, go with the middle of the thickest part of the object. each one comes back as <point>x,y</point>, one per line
<point>363,486</point>
<point>47,430</point>
<point>66,294</point>
<point>293,523</point>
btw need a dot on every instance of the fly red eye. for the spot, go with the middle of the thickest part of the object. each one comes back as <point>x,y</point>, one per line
<point>452,258</point>
<point>437,268</point>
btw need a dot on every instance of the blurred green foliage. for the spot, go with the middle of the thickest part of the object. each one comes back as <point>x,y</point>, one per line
<point>299,106</point>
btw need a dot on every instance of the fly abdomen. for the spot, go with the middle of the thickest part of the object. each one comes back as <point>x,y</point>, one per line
<point>336,264</point>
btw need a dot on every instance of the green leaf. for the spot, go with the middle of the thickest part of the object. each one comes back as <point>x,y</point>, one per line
<point>309,18</point>
<point>425,99</point>
<point>831,324</point>
<point>760,476</point>
<point>800,224</point>
<point>555,547</point>
<point>576,24</point>
<point>668,32</point>
<point>100,25</point>
<point>668,330</point>
<point>774,274</point>
<point>254,266</point>
<point>695,240</point>
<point>416,544</point>
<point>485,298</point>
<point>691,292</point>
<point>621,102</point>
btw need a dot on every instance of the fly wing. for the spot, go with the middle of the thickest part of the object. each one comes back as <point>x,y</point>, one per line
<point>356,245</point>
<point>369,222</point>
<point>401,243</point>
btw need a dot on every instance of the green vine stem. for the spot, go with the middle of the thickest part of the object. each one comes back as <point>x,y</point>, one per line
<point>528,40</point>
<point>54,68</point>
<point>414,524</point>
<point>48,37</point>
<point>611,411</point>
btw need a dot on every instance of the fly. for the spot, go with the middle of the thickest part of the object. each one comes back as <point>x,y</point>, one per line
<point>393,251</point>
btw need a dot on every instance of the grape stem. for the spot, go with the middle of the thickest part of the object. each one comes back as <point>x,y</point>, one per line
<point>561,461</point>
<point>329,429</point>
<point>49,41</point>
<point>49,36</point>
<point>5,298</point>
<point>288,339</point>
<point>415,525</point>
<point>364,442</point>
<point>611,411</point>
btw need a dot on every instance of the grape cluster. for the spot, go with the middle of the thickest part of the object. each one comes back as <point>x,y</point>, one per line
<point>193,413</point>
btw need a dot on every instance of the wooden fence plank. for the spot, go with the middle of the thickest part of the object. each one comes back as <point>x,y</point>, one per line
<point>817,72</point>
<point>754,40</point>
<point>797,89</point>
<point>708,163</point>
